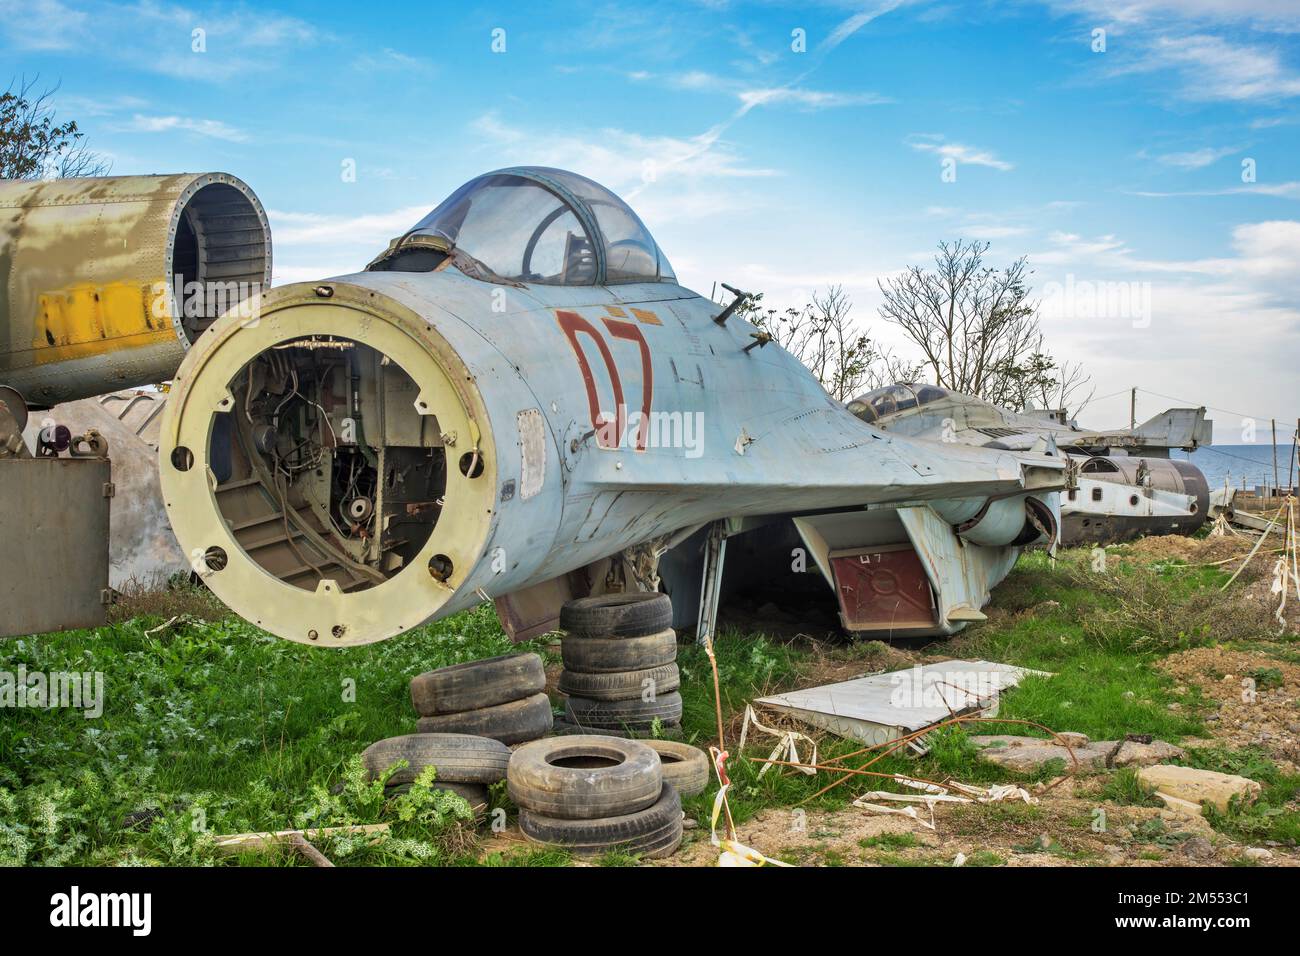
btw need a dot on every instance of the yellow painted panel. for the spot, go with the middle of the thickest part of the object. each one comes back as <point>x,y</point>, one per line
<point>89,319</point>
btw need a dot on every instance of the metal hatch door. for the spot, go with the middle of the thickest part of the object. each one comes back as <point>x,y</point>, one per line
<point>53,544</point>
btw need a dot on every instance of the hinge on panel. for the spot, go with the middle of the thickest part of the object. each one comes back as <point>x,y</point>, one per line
<point>109,489</point>
<point>106,597</point>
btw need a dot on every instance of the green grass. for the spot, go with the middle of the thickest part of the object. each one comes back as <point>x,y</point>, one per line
<point>1273,815</point>
<point>212,726</point>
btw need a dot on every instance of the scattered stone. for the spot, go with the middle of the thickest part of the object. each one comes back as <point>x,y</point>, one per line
<point>1183,814</point>
<point>1029,754</point>
<point>1199,786</point>
<point>1197,847</point>
<point>690,824</point>
<point>1132,753</point>
<point>1258,853</point>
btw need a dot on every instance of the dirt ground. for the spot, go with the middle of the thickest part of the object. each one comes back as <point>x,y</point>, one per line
<point>1257,698</point>
<point>1069,826</point>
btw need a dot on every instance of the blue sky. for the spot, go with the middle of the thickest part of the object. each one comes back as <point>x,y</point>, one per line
<point>1116,169</point>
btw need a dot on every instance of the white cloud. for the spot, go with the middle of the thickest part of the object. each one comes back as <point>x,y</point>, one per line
<point>41,24</point>
<point>389,60</point>
<point>670,178</point>
<point>157,37</point>
<point>1214,68</point>
<point>214,129</point>
<point>1197,158</point>
<point>751,96</point>
<point>1282,15</point>
<point>1198,311</point>
<point>371,230</point>
<point>963,154</point>
<point>1286,190</point>
<point>809,99</point>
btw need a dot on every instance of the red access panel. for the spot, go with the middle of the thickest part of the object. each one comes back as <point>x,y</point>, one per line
<point>883,588</point>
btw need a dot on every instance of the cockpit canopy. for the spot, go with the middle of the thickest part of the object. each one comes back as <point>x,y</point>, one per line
<point>890,399</point>
<point>549,226</point>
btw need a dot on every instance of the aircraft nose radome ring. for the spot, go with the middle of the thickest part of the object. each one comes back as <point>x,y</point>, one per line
<point>250,461</point>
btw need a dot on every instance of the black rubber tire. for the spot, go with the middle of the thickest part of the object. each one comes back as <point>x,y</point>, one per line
<point>612,655</point>
<point>458,758</point>
<point>512,723</point>
<point>584,777</point>
<point>685,767</point>
<point>652,833</point>
<point>634,614</point>
<point>475,794</point>
<point>620,685</point>
<point>624,714</point>
<point>565,727</point>
<point>477,684</point>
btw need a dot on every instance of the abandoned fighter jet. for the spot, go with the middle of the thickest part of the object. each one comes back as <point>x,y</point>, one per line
<point>517,401</point>
<point>1120,483</point>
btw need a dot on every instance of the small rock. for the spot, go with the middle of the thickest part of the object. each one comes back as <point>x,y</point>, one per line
<point>1131,753</point>
<point>1028,754</point>
<point>688,823</point>
<point>1258,853</point>
<point>1199,786</point>
<point>1198,848</point>
<point>1184,815</point>
<point>1071,739</point>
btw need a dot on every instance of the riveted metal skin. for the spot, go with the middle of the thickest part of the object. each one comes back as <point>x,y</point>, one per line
<point>88,268</point>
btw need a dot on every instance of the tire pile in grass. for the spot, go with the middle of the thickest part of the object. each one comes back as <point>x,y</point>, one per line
<point>499,697</point>
<point>466,765</point>
<point>592,794</point>
<point>620,672</point>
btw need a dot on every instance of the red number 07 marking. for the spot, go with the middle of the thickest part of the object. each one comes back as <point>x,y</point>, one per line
<point>609,434</point>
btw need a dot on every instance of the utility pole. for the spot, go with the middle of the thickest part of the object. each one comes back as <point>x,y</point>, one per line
<point>1133,409</point>
<point>1276,484</point>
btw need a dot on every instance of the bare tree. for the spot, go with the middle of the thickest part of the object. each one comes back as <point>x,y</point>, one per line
<point>34,145</point>
<point>824,336</point>
<point>977,328</point>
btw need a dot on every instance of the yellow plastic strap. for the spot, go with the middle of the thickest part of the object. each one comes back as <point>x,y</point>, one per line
<point>785,743</point>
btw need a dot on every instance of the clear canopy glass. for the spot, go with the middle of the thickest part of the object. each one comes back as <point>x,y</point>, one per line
<point>549,226</point>
<point>889,399</point>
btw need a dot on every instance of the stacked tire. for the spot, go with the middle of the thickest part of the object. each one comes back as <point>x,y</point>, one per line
<point>620,672</point>
<point>593,794</point>
<point>464,764</point>
<point>500,697</point>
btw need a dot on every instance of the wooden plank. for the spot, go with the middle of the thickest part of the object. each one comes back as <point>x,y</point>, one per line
<point>254,842</point>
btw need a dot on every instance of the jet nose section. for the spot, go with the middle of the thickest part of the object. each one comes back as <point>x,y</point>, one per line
<point>327,465</point>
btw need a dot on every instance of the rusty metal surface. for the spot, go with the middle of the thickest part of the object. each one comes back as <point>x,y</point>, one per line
<point>883,588</point>
<point>87,271</point>
<point>142,549</point>
<point>53,544</point>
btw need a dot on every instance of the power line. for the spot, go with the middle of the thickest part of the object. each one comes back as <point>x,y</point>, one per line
<point>1185,401</point>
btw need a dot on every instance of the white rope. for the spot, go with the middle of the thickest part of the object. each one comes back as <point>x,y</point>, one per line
<point>785,744</point>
